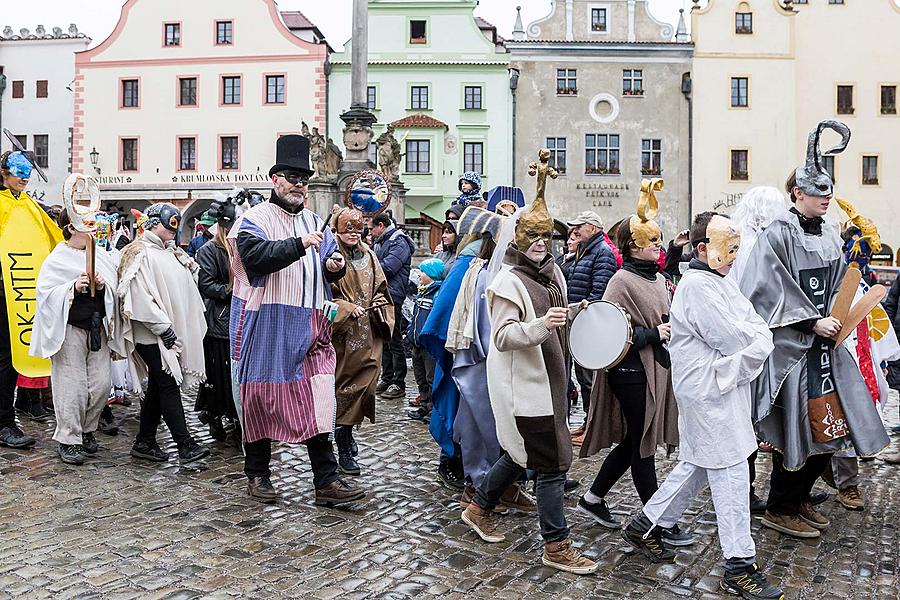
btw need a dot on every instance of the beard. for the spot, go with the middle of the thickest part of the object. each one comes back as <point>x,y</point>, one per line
<point>294,199</point>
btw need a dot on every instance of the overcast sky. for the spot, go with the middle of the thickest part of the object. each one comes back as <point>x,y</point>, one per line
<point>97,18</point>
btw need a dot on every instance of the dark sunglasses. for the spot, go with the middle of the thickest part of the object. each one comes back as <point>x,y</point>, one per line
<point>294,178</point>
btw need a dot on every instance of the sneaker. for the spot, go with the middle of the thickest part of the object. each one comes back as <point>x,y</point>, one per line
<point>13,437</point>
<point>571,484</point>
<point>192,451</point>
<point>749,583</point>
<point>417,401</point>
<point>419,414</point>
<point>261,490</point>
<point>393,392</point>
<point>35,411</point>
<point>674,536</point>
<point>561,555</point>
<point>516,498</point>
<point>791,525</point>
<point>69,454</point>
<point>149,451</point>
<point>757,504</point>
<point>851,499</point>
<point>812,516</point>
<point>468,497</point>
<point>599,512</point>
<point>649,544</point>
<point>89,443</point>
<point>482,523</point>
<point>107,423</point>
<point>382,385</point>
<point>338,492</point>
<point>449,480</point>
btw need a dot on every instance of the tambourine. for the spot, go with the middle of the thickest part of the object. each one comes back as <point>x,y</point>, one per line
<point>600,335</point>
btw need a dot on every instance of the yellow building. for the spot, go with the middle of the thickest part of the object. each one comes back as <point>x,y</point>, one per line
<point>766,71</point>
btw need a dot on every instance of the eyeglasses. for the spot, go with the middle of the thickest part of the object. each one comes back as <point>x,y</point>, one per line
<point>294,178</point>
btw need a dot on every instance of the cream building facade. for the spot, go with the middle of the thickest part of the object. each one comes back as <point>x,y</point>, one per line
<point>600,84</point>
<point>766,71</point>
<point>185,99</point>
<point>36,105</point>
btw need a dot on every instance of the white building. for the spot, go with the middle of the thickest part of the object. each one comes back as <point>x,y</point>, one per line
<point>36,105</point>
<point>184,99</point>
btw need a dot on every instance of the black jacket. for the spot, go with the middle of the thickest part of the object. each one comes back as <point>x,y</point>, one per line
<point>213,283</point>
<point>394,250</point>
<point>589,274</point>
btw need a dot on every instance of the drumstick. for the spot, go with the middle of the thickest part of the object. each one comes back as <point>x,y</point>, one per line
<point>383,304</point>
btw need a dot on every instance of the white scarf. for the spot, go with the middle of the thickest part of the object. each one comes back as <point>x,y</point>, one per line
<point>56,292</point>
<point>155,276</point>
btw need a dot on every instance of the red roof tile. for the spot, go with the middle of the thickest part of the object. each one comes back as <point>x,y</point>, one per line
<point>295,19</point>
<point>419,120</point>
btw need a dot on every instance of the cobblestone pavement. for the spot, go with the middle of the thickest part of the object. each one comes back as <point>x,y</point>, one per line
<point>121,528</point>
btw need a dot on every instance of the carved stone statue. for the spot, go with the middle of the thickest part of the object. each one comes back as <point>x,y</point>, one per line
<point>316,150</point>
<point>388,154</point>
<point>357,136</point>
<point>333,161</point>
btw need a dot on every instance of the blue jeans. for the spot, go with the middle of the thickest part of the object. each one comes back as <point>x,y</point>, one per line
<point>550,489</point>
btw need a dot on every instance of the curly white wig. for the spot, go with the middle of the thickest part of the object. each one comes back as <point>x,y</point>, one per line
<point>759,207</point>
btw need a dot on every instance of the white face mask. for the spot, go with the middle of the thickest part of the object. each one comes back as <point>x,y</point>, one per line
<point>537,251</point>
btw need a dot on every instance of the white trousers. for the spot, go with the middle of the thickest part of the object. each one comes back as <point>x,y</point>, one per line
<point>730,490</point>
<point>80,381</point>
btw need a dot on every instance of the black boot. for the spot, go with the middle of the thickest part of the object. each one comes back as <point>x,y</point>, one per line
<point>354,449</point>
<point>346,463</point>
<point>216,429</point>
<point>748,582</point>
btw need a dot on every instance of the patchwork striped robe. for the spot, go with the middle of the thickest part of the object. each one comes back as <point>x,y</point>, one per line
<point>283,362</point>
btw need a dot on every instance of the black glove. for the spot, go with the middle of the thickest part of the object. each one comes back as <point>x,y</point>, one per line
<point>169,338</point>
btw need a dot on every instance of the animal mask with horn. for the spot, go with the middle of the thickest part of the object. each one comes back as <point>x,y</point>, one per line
<point>812,178</point>
<point>535,222</point>
<point>645,231</point>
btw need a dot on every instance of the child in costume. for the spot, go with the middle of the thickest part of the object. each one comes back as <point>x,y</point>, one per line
<point>718,347</point>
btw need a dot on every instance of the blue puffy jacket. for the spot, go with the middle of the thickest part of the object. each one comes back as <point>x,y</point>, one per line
<point>588,275</point>
<point>394,250</point>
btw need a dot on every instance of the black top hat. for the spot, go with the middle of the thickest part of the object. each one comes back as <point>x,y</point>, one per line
<point>291,154</point>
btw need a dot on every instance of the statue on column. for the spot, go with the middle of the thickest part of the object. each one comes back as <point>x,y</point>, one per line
<point>333,160</point>
<point>317,146</point>
<point>388,154</point>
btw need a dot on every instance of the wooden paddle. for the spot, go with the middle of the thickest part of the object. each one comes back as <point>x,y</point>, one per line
<point>846,293</point>
<point>860,311</point>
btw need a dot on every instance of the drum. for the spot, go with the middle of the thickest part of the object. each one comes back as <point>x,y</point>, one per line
<point>600,335</point>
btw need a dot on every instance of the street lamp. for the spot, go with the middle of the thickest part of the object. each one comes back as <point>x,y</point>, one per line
<point>95,159</point>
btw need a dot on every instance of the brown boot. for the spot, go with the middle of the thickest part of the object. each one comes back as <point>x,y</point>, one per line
<point>468,497</point>
<point>791,525</point>
<point>482,523</point>
<point>517,498</point>
<point>561,555</point>
<point>261,490</point>
<point>338,492</point>
<point>809,514</point>
<point>851,499</point>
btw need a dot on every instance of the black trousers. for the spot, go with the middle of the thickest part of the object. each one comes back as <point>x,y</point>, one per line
<point>631,390</point>
<point>8,375</point>
<point>751,464</point>
<point>393,358</point>
<point>788,489</point>
<point>585,379</point>
<point>258,456</point>
<point>423,369</point>
<point>162,399</point>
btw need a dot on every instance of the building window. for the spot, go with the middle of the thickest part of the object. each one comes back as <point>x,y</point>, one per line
<point>419,97</point>
<point>42,150</point>
<point>187,91</point>
<point>187,154</point>
<point>743,22</point>
<point>230,155</point>
<point>274,89</point>
<point>472,97</point>
<point>870,170</point>
<point>889,99</point>
<point>740,92</point>
<point>828,165</point>
<point>41,88</point>
<point>418,156</point>
<point>473,157</point>
<point>173,34</point>
<point>417,33</point>
<point>231,90</point>
<point>598,20</point>
<point>557,148</point>
<point>835,1</point>
<point>224,33</point>
<point>632,82</point>
<point>371,97</point>
<point>18,89</point>
<point>801,1</point>
<point>601,154</point>
<point>845,99</point>
<point>651,157</point>
<point>129,154</point>
<point>566,82</point>
<point>130,93</point>
<point>740,167</point>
